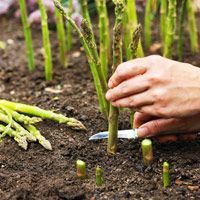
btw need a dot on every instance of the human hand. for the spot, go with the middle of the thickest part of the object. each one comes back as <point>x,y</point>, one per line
<point>165,130</point>
<point>156,86</point>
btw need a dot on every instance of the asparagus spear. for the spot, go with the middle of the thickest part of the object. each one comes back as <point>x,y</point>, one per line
<point>181,29</point>
<point>42,140</point>
<point>18,127</point>
<point>117,59</point>
<point>104,35</point>
<point>27,34</point>
<point>46,41</point>
<point>61,38</point>
<point>21,140</point>
<point>45,114</point>
<point>69,27</point>
<point>192,27</point>
<point>163,17</point>
<point>147,24</point>
<point>171,28</point>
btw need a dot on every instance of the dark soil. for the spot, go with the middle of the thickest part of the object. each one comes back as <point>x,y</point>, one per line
<point>40,174</point>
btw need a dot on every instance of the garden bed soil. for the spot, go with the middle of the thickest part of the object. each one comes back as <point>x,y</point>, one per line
<point>41,174</point>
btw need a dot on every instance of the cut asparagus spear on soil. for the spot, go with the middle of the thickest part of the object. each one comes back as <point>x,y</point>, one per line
<point>45,114</point>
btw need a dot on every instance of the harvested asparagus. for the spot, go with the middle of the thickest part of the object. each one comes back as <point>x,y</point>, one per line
<point>45,114</point>
<point>18,127</point>
<point>21,140</point>
<point>41,139</point>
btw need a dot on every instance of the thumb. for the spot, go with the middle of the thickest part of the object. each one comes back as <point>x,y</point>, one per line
<point>156,127</point>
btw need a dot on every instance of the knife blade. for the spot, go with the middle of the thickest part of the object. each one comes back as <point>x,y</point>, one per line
<point>124,134</point>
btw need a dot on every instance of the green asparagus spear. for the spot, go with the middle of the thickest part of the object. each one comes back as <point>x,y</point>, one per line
<point>45,114</point>
<point>27,34</point>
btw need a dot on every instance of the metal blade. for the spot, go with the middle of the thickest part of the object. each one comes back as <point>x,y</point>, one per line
<point>125,134</point>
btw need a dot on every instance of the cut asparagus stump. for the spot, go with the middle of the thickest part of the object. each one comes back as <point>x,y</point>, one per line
<point>99,176</point>
<point>147,152</point>
<point>81,169</point>
<point>166,179</point>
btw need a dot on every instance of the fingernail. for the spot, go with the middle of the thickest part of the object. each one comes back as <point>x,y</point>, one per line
<point>142,132</point>
<point>110,84</point>
<point>108,95</point>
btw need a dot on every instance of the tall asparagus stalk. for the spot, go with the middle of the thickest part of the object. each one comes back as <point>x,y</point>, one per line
<point>46,42</point>
<point>133,47</point>
<point>69,27</point>
<point>147,24</point>
<point>192,27</point>
<point>163,17</point>
<point>171,29</point>
<point>27,34</point>
<point>61,38</point>
<point>92,56</point>
<point>104,35</point>
<point>130,24</point>
<point>181,29</point>
<point>117,59</point>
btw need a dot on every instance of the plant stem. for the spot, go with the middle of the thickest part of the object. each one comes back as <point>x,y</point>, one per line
<point>171,29</point>
<point>147,24</point>
<point>46,42</point>
<point>61,38</point>
<point>117,59</point>
<point>27,34</point>
<point>69,27</point>
<point>166,179</point>
<point>45,114</point>
<point>181,29</point>
<point>81,169</point>
<point>147,152</point>
<point>192,27</point>
<point>99,176</point>
<point>104,35</point>
<point>163,17</point>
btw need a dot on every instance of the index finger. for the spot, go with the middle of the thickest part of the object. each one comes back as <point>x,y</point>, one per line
<point>128,70</point>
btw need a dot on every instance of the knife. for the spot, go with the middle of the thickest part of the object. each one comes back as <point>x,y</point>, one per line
<point>125,134</point>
